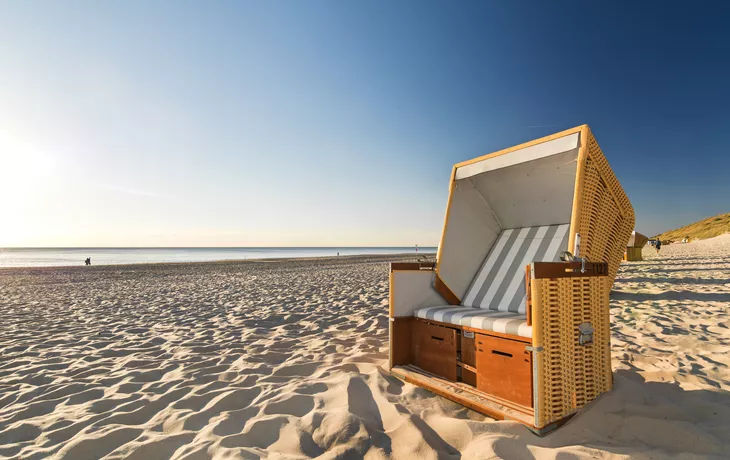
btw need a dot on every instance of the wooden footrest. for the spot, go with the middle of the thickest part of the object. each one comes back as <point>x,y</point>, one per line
<point>465,395</point>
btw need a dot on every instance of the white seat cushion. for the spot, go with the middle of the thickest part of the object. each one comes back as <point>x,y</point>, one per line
<point>500,282</point>
<point>489,320</point>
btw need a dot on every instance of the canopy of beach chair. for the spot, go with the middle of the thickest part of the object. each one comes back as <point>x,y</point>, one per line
<point>562,180</point>
<point>637,240</point>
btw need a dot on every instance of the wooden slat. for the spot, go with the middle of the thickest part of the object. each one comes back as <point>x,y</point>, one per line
<point>466,366</point>
<point>464,395</point>
<point>445,292</point>
<point>400,341</point>
<point>468,351</point>
<point>479,394</point>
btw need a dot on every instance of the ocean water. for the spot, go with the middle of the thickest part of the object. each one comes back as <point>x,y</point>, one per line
<point>54,257</point>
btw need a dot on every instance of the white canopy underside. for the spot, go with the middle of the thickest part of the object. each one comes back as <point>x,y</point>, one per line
<point>545,149</point>
<point>529,187</point>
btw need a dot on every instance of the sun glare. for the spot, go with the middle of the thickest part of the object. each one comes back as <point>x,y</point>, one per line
<point>23,166</point>
<point>25,176</point>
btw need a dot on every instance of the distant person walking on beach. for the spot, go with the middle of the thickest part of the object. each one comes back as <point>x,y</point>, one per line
<point>658,245</point>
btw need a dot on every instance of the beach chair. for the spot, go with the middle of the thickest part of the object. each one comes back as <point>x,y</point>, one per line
<point>633,249</point>
<point>505,321</point>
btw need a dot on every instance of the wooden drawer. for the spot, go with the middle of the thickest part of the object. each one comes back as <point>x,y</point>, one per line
<point>434,349</point>
<point>504,369</point>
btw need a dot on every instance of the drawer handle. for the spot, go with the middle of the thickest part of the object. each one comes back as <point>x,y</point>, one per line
<point>440,339</point>
<point>502,353</point>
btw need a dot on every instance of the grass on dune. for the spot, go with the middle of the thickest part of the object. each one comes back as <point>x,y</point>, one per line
<point>708,228</point>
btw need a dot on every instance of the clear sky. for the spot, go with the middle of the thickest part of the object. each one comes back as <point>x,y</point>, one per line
<point>294,123</point>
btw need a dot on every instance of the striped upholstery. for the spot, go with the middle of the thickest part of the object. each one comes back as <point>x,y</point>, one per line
<point>495,300</point>
<point>497,321</point>
<point>500,282</point>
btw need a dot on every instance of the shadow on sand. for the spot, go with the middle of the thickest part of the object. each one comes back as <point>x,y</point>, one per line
<point>670,295</point>
<point>648,419</point>
<point>637,419</point>
<point>626,274</point>
<point>697,281</point>
<point>680,261</point>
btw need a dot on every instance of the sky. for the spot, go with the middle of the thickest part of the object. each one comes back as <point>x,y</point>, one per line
<point>324,123</point>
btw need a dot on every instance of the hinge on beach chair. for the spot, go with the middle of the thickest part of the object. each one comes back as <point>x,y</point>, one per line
<point>585,334</point>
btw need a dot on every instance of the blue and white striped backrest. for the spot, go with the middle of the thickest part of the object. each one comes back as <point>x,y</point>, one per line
<point>500,282</point>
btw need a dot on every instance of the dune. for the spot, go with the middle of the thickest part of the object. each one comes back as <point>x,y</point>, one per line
<point>704,229</point>
<point>288,359</point>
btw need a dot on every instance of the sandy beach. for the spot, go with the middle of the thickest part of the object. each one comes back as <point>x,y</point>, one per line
<point>287,359</point>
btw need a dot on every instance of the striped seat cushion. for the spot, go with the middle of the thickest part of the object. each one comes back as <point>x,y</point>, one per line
<point>496,321</point>
<point>500,282</point>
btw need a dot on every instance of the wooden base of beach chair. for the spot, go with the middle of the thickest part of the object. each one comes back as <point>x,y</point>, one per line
<point>496,365</point>
<point>468,396</point>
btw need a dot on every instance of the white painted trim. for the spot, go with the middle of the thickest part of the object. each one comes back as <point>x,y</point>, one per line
<point>545,149</point>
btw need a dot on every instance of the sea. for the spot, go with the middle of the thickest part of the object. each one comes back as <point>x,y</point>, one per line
<point>56,257</point>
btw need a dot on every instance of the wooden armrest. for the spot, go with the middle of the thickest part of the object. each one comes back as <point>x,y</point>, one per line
<point>567,269</point>
<point>415,266</point>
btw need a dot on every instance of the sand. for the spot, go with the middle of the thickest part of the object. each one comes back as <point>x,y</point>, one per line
<point>287,360</point>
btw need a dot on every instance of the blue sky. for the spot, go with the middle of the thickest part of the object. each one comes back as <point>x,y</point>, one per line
<point>336,123</point>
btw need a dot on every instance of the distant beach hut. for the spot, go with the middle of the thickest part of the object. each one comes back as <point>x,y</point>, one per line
<point>633,248</point>
<point>507,321</point>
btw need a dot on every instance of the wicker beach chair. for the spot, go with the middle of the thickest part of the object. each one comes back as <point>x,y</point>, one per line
<point>633,248</point>
<point>505,322</point>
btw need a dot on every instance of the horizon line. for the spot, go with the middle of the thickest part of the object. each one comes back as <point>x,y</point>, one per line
<point>209,247</point>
